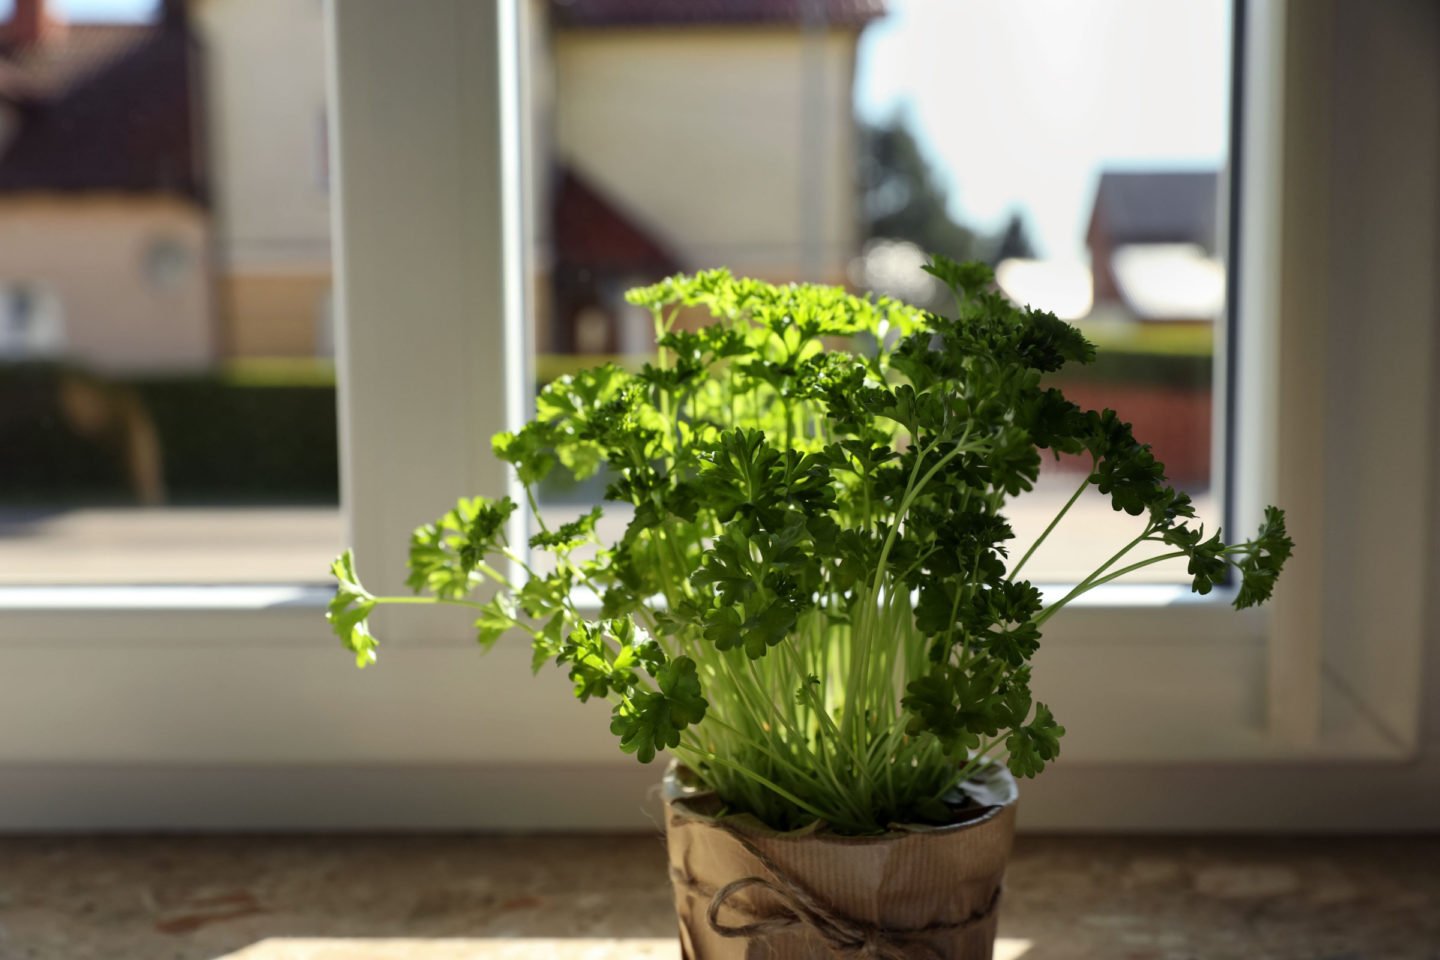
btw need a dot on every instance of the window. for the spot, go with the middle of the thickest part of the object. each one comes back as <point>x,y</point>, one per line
<point>843,146</point>
<point>1190,683</point>
<point>166,381</point>
<point>32,327</point>
<point>234,701</point>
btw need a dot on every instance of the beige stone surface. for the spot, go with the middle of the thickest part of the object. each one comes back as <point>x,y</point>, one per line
<point>513,948</point>
<point>473,897</point>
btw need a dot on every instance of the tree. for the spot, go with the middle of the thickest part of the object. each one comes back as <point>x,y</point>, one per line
<point>1013,242</point>
<point>904,198</point>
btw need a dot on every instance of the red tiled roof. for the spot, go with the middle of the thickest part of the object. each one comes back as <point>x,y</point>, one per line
<point>53,66</point>
<point>630,13</point>
<point>592,231</point>
<point>104,108</point>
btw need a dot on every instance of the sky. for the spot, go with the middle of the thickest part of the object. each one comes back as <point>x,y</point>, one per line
<point>1022,102</point>
<point>79,10</point>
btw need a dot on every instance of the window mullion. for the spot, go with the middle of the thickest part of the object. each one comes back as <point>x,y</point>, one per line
<point>426,300</point>
<point>1284,186</point>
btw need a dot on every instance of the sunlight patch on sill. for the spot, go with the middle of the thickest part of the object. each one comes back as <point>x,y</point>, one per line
<point>477,948</point>
<point>150,597</point>
<point>497,948</point>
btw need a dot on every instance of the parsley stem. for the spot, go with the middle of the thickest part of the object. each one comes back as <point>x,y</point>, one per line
<point>977,760</point>
<point>814,811</point>
<point>535,509</point>
<point>1090,580</point>
<point>1053,524</point>
<point>1086,586</point>
<point>448,601</point>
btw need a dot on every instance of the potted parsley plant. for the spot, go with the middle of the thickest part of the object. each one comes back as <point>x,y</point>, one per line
<point>814,607</point>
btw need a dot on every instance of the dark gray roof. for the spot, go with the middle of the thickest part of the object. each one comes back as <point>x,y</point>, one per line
<point>651,13</point>
<point>1168,207</point>
<point>104,108</point>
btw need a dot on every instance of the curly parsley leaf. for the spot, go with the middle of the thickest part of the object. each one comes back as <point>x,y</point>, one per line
<point>496,618</point>
<point>445,555</point>
<point>652,721</point>
<point>1262,560</point>
<point>1033,745</point>
<point>568,536</point>
<point>349,610</point>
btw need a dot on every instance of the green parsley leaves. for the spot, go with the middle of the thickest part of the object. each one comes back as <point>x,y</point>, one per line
<point>814,603</point>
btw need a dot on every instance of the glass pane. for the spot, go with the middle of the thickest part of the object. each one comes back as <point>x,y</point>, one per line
<point>167,400</point>
<point>1079,149</point>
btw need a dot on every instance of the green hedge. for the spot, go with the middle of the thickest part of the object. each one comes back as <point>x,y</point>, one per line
<point>267,434</point>
<point>221,441</point>
<point>225,441</point>
<point>1181,371</point>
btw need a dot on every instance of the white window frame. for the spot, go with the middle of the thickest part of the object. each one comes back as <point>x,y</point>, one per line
<point>230,706</point>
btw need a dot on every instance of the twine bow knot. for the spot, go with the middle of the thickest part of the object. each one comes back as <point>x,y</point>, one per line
<point>847,938</point>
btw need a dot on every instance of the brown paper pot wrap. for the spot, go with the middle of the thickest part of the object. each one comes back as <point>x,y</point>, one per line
<point>744,891</point>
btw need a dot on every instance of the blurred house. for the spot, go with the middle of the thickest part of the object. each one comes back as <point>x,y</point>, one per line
<point>265,87</point>
<point>1154,242</point>
<point>160,209</point>
<point>599,253</point>
<point>104,219</point>
<point>639,108</point>
<point>688,135</point>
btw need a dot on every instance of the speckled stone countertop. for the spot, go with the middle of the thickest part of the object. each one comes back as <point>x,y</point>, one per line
<point>468,897</point>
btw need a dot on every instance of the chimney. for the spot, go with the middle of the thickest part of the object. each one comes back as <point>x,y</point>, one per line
<point>29,23</point>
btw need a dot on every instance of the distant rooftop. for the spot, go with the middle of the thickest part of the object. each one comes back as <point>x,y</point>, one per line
<point>102,107</point>
<point>633,13</point>
<point>1157,207</point>
<point>591,230</point>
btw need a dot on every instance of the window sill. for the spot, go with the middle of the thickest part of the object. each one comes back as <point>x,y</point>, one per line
<point>161,598</point>
<point>229,614</point>
<point>245,678</point>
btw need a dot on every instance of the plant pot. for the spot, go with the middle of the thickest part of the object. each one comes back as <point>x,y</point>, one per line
<point>744,891</point>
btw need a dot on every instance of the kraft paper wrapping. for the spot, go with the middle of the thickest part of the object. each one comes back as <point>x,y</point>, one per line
<point>744,891</point>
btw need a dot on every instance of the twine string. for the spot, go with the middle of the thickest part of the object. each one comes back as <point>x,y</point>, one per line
<point>846,937</point>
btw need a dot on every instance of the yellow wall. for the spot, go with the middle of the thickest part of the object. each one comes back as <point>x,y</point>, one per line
<point>737,147</point>
<point>274,315</point>
<point>96,256</point>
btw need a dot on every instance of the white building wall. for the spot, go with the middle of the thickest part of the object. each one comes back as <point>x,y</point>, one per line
<point>265,78</point>
<point>124,281</point>
<point>736,146</point>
